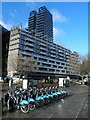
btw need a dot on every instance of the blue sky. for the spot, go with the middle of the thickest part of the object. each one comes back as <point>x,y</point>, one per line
<point>70,21</point>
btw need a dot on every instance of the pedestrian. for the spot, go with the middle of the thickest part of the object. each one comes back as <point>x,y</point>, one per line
<point>42,85</point>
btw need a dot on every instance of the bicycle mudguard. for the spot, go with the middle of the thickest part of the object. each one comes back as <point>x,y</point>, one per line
<point>58,93</point>
<point>45,96</point>
<point>50,95</point>
<point>23,102</point>
<point>18,93</point>
<point>54,93</point>
<point>62,91</point>
<point>31,100</point>
<point>39,98</point>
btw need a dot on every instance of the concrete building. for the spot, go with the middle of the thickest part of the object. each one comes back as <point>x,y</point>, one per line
<point>4,50</point>
<point>52,60</point>
<point>35,43</point>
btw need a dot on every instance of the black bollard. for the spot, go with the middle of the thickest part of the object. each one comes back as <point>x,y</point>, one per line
<point>2,105</point>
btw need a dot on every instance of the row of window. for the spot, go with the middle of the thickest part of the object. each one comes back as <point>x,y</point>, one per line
<point>52,70</point>
<point>49,47</point>
<point>53,46</point>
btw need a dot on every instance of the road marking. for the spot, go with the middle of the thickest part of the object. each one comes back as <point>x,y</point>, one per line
<point>79,111</point>
<point>85,105</point>
<point>81,108</point>
<point>50,116</point>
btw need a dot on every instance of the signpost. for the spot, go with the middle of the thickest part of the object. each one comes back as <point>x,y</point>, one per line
<point>10,83</point>
<point>25,83</point>
<point>61,82</point>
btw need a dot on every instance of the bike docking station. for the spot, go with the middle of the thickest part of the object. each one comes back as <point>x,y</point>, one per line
<point>29,98</point>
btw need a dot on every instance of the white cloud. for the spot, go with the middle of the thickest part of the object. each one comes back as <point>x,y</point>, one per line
<point>57,16</point>
<point>57,35</point>
<point>6,25</point>
<point>25,25</point>
<point>58,32</point>
<point>14,13</point>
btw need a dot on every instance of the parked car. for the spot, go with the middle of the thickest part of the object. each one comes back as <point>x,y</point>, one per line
<point>79,82</point>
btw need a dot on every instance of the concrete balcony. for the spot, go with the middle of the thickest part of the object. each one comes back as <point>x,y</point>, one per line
<point>31,40</point>
<point>53,51</point>
<point>53,56</point>
<point>42,44</point>
<point>28,48</point>
<point>29,44</point>
<point>52,48</point>
<point>42,48</point>
<point>44,53</point>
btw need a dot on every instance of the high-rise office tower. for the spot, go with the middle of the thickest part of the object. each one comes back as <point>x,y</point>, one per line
<point>32,21</point>
<point>45,23</point>
<point>42,23</point>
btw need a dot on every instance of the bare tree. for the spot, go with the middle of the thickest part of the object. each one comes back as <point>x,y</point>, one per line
<point>85,66</point>
<point>23,65</point>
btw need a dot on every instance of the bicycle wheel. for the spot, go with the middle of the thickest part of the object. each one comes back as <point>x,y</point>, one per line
<point>25,108</point>
<point>32,106</point>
